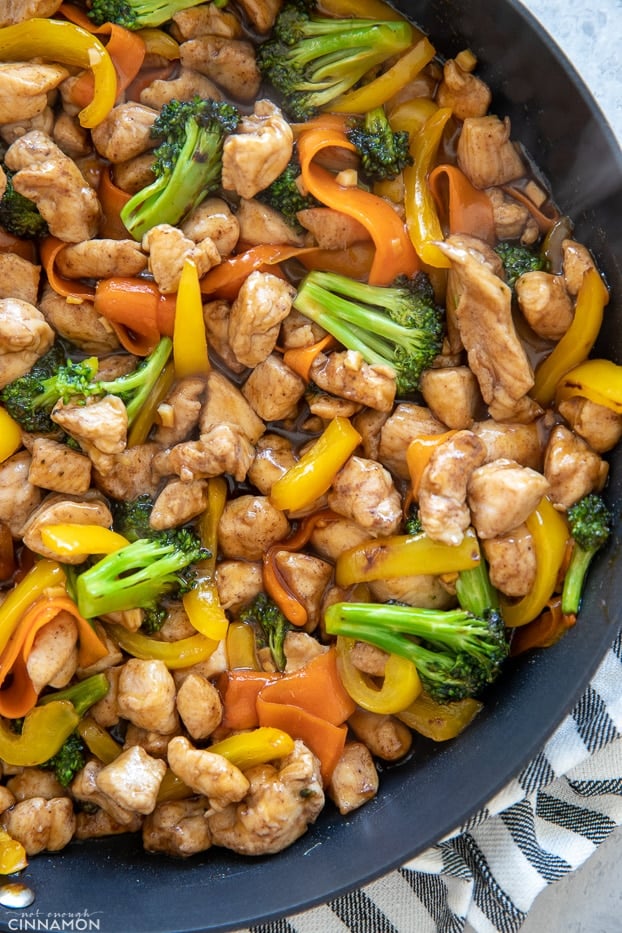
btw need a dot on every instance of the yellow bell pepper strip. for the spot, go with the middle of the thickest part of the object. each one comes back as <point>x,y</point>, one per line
<point>405,556</point>
<point>466,208</point>
<point>440,721</point>
<point>44,575</point>
<point>202,603</point>
<point>241,647</point>
<point>138,312</point>
<point>12,854</point>
<point>418,454</point>
<point>69,539</point>
<point>45,730</point>
<point>59,41</point>
<point>172,788</point>
<point>189,340</point>
<point>98,741</point>
<point>394,252</point>
<point>378,91</point>
<point>600,381</point>
<point>410,115</point>
<point>313,474</point>
<point>400,685</point>
<point>545,631</point>
<point>175,654</point>
<point>549,532</point>
<point>10,435</point>
<point>575,345</point>
<point>20,695</point>
<point>160,43</point>
<point>355,9</point>
<point>148,414</point>
<point>249,749</point>
<point>422,218</point>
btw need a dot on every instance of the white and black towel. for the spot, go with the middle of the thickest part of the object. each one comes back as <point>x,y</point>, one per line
<point>542,826</point>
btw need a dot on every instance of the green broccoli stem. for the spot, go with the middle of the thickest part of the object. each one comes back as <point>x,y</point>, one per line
<point>138,14</point>
<point>140,381</point>
<point>82,695</point>
<point>575,578</point>
<point>474,590</point>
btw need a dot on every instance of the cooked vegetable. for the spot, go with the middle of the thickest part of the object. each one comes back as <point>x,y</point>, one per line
<point>187,162</point>
<point>270,624</point>
<point>311,60</point>
<point>137,14</point>
<point>383,153</point>
<point>131,517</point>
<point>68,760</point>
<point>285,196</point>
<point>82,695</point>
<point>518,259</point>
<point>590,526</point>
<point>19,215</point>
<point>400,326</point>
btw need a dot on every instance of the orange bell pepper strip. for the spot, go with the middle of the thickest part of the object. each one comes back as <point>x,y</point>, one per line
<point>300,359</point>
<point>575,345</point>
<point>225,279</point>
<point>394,253</point>
<point>112,199</point>
<point>239,690</point>
<point>74,290</point>
<point>545,631</point>
<point>600,381</point>
<point>189,339</point>
<point>316,687</point>
<point>419,453</point>
<point>467,209</point>
<point>139,313</point>
<point>20,696</point>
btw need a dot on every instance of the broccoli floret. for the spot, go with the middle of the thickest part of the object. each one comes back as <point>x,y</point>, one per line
<point>153,620</point>
<point>31,398</point>
<point>383,153</point>
<point>131,517</point>
<point>187,163</point>
<point>399,326</point>
<point>137,14</point>
<point>138,575</point>
<point>19,215</point>
<point>460,652</point>
<point>68,760</point>
<point>284,195</point>
<point>590,525</point>
<point>270,624</point>
<point>517,260</point>
<point>310,59</point>
<point>412,523</point>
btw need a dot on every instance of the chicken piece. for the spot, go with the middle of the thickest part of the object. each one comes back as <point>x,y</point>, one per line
<point>502,494</point>
<point>177,624</point>
<point>199,705</point>
<point>355,778</point>
<point>486,154</point>
<point>512,562</point>
<point>261,13</point>
<point>263,301</point>
<point>407,422</point>
<point>106,711</point>
<point>520,442</point>
<point>228,62</point>
<point>147,696</point>
<point>274,455</point>
<point>443,488</point>
<point>25,336</point>
<point>545,303</point>
<point>100,824</point>
<point>465,93</point>
<point>385,736</point>
<point>99,424</point>
<point>577,259</point>
<point>73,139</point>
<point>127,474</point>
<point>248,526</point>
<point>54,182</point>
<point>53,658</point>
<point>368,658</point>
<point>113,655</point>
<point>452,395</point>
<point>238,582</point>
<point>599,426</point>
<point>44,121</point>
<point>260,223</point>
<point>512,219</point>
<point>126,132</point>
<point>19,278</point>
<point>207,773</point>
<point>273,389</point>
<point>57,508</point>
<point>484,318</point>
<point>369,424</point>
<point>24,88</point>
<point>180,411</point>
<point>347,375</point>
<point>84,789</point>
<point>306,577</point>
<point>78,323</point>
<point>222,449</point>
<point>134,174</point>
<point>101,258</point>
<point>332,229</point>
<point>256,154</point>
<point>326,407</point>
<point>572,468</point>
<point>216,316</point>
<point>364,491</point>
<point>132,780</point>
<point>205,20</point>
<point>154,744</point>
<point>425,591</point>
<point>281,802</point>
<point>185,86</point>
<point>216,664</point>
<point>40,824</point>
<point>332,538</point>
<point>300,648</point>
<point>57,467</point>
<point>18,497</point>
<point>35,782</point>
<point>177,828</point>
<point>179,502</point>
<point>213,218</point>
<point>168,250</point>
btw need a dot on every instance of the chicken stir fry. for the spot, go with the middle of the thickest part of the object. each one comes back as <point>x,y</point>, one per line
<point>292,456</point>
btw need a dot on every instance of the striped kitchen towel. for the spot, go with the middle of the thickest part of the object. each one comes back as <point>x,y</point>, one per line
<point>542,826</point>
